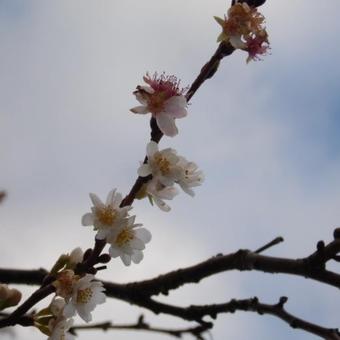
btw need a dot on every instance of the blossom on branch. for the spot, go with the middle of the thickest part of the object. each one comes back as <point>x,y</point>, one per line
<point>164,99</point>
<point>52,322</point>
<point>161,164</point>
<point>168,168</point>
<point>190,176</point>
<point>128,242</point>
<point>85,296</point>
<point>243,28</point>
<point>106,217</point>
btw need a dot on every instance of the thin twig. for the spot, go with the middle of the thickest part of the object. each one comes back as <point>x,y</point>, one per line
<point>269,245</point>
<point>141,325</point>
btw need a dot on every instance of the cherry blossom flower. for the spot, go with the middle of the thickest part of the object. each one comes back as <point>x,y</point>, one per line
<point>164,99</point>
<point>256,46</point>
<point>86,294</point>
<point>243,28</point>
<point>65,282</point>
<point>105,217</point>
<point>167,168</point>
<point>161,164</point>
<point>190,176</point>
<point>129,241</point>
<point>52,322</point>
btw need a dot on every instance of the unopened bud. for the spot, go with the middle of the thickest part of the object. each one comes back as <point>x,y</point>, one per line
<point>14,297</point>
<point>76,256</point>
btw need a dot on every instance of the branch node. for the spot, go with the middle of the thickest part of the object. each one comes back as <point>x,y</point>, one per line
<point>283,300</point>
<point>320,246</point>
<point>336,233</point>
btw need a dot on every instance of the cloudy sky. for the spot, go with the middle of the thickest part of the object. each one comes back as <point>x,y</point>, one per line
<point>265,134</point>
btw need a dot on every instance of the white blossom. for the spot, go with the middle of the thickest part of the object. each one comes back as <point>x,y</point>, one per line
<point>161,164</point>
<point>168,168</point>
<point>128,242</point>
<point>190,176</point>
<point>86,295</point>
<point>164,99</point>
<point>105,217</point>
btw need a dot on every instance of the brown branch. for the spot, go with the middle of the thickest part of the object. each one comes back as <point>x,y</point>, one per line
<point>197,331</point>
<point>196,313</point>
<point>276,241</point>
<point>312,267</point>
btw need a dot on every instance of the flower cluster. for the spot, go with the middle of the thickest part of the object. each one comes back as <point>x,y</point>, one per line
<point>164,99</point>
<point>75,294</point>
<point>167,168</point>
<point>243,28</point>
<point>117,228</point>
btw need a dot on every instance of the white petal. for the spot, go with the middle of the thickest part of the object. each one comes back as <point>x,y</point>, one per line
<point>87,219</point>
<point>144,170</point>
<point>84,314</point>
<point>137,257</point>
<point>96,201</point>
<point>161,204</point>
<point>117,200</point>
<point>126,259</point>
<point>69,310</point>
<point>114,252</point>
<point>166,124</point>
<point>166,181</point>
<point>151,149</point>
<point>147,89</point>
<point>168,193</point>
<point>143,234</point>
<point>176,106</point>
<point>110,197</point>
<point>138,244</point>
<point>187,190</point>
<point>140,109</point>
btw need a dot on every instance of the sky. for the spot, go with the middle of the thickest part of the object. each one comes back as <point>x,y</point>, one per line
<point>265,134</point>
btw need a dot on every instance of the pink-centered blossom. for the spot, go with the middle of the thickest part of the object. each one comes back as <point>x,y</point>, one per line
<point>244,29</point>
<point>164,99</point>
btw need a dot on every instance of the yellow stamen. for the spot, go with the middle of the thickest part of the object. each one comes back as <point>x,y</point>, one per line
<point>84,295</point>
<point>163,164</point>
<point>106,215</point>
<point>124,237</point>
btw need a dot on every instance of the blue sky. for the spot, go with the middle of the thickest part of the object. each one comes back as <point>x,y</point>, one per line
<point>266,135</point>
